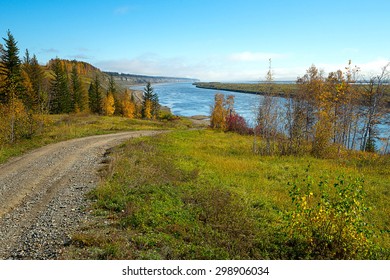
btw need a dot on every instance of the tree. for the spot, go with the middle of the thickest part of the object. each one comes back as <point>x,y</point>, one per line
<point>108,105</point>
<point>12,110</point>
<point>218,113</point>
<point>150,104</point>
<point>95,98</point>
<point>60,100</point>
<point>128,106</point>
<point>111,85</point>
<point>116,106</point>
<point>34,84</point>
<point>10,69</point>
<point>268,114</point>
<point>79,94</point>
<point>373,107</point>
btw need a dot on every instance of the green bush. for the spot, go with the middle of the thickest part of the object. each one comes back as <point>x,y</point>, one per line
<point>328,220</point>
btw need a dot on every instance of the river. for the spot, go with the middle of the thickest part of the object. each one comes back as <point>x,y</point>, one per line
<point>185,99</point>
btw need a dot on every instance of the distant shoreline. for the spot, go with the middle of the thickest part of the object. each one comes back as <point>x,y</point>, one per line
<point>280,90</point>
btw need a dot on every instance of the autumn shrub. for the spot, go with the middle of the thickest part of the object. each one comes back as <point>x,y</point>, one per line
<point>236,123</point>
<point>328,220</point>
<point>15,123</point>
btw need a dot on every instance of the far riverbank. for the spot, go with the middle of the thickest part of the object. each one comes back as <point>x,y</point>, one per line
<point>279,89</point>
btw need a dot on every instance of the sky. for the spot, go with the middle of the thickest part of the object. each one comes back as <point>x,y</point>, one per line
<point>211,40</point>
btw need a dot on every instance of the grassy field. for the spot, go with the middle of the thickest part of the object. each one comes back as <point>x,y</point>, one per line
<point>63,127</point>
<point>202,194</point>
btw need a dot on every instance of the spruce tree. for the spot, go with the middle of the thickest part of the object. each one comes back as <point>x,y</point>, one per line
<point>10,69</point>
<point>78,93</point>
<point>95,98</point>
<point>113,91</point>
<point>150,105</point>
<point>111,85</point>
<point>60,98</point>
<point>91,97</point>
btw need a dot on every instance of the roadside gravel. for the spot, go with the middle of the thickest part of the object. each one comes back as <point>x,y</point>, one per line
<point>42,194</point>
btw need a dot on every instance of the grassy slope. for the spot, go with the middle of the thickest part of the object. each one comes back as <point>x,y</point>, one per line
<point>204,195</point>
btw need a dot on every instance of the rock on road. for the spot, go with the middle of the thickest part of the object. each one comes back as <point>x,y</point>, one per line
<point>42,194</point>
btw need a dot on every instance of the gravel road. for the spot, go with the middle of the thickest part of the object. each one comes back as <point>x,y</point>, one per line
<point>42,194</point>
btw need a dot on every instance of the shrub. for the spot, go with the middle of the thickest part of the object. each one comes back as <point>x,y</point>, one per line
<point>236,123</point>
<point>327,222</point>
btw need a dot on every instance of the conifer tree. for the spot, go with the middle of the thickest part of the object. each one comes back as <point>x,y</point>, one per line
<point>150,104</point>
<point>95,98</point>
<point>10,69</point>
<point>117,106</point>
<point>12,110</point>
<point>60,98</point>
<point>79,94</point>
<point>91,97</point>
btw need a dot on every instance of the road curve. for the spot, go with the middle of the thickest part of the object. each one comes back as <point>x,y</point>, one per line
<point>42,194</point>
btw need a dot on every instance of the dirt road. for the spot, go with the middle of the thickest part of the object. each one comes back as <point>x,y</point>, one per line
<point>42,194</point>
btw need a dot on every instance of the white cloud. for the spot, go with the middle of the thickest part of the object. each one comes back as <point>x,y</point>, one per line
<point>366,68</point>
<point>220,68</point>
<point>374,66</point>
<point>254,56</point>
<point>215,68</point>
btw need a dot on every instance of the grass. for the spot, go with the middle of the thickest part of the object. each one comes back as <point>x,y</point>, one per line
<point>204,195</point>
<point>64,127</point>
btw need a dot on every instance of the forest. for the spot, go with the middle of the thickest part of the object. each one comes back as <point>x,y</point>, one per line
<point>30,91</point>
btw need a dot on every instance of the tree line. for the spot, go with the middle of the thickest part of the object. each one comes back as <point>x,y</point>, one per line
<point>323,116</point>
<point>29,91</point>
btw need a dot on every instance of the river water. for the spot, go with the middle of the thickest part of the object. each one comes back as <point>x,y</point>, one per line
<point>185,99</point>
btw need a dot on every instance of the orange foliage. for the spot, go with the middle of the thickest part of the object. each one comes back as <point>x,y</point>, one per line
<point>129,109</point>
<point>108,105</point>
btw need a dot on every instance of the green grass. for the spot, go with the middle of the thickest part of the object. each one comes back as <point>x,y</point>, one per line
<point>64,127</point>
<point>204,195</point>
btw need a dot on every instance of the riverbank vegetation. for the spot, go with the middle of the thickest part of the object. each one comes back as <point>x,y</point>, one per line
<point>204,195</point>
<point>280,89</point>
<point>324,116</point>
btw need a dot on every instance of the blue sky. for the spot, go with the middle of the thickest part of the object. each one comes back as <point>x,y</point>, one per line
<point>213,40</point>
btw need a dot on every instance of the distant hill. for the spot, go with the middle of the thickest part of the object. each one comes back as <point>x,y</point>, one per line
<point>87,73</point>
<point>132,79</point>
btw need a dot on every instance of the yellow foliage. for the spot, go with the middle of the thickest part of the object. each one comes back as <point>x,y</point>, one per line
<point>129,109</point>
<point>148,109</point>
<point>108,105</point>
<point>218,115</point>
<point>14,121</point>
